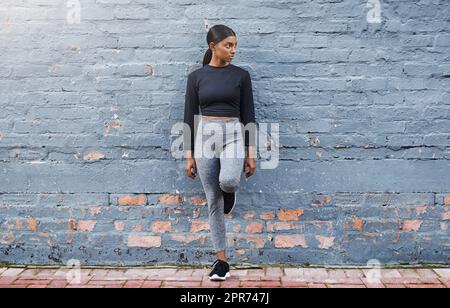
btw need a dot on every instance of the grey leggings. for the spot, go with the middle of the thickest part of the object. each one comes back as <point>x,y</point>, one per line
<point>219,155</point>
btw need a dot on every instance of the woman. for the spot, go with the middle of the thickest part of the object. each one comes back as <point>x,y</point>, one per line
<point>223,94</point>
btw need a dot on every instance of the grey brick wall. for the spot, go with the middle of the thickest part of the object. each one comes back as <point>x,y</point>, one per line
<point>87,110</point>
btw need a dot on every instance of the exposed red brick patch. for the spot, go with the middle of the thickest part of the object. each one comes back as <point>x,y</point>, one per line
<point>323,224</point>
<point>358,224</point>
<point>325,242</point>
<point>199,225</point>
<point>421,210</point>
<point>94,155</point>
<point>411,225</point>
<point>189,238</point>
<point>86,225</point>
<point>249,215</point>
<point>132,200</point>
<point>161,226</point>
<point>282,225</point>
<point>447,200</point>
<point>198,200</point>
<point>254,227</point>
<point>446,216</point>
<point>289,241</point>
<point>170,199</point>
<point>267,215</point>
<point>95,210</point>
<point>259,241</point>
<point>321,202</point>
<point>144,241</point>
<point>237,228</point>
<point>32,224</point>
<point>119,225</point>
<point>286,215</point>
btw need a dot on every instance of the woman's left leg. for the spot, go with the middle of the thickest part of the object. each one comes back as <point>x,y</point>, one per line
<point>232,158</point>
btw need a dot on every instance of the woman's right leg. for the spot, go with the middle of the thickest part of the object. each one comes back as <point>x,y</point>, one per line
<point>208,168</point>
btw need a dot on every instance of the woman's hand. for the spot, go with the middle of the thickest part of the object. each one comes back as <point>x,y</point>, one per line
<point>191,168</point>
<point>249,162</point>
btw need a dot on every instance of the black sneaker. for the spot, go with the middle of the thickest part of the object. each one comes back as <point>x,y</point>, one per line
<point>229,201</point>
<point>221,271</point>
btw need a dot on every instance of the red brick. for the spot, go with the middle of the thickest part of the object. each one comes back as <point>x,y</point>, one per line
<point>249,215</point>
<point>144,241</point>
<point>32,281</point>
<point>289,283</point>
<point>446,215</point>
<point>106,283</point>
<point>261,284</point>
<point>286,215</point>
<point>32,224</point>
<point>325,242</point>
<point>425,286</point>
<point>289,241</point>
<point>151,284</point>
<point>133,284</point>
<point>189,238</point>
<point>197,200</point>
<point>358,224</point>
<point>267,215</point>
<point>259,241</point>
<point>94,155</point>
<point>412,225</point>
<point>445,281</point>
<point>199,225</point>
<point>132,200</point>
<point>57,284</point>
<point>317,286</point>
<point>181,284</point>
<point>86,225</point>
<point>7,280</point>
<point>346,286</point>
<point>230,283</point>
<point>170,199</point>
<point>395,286</point>
<point>447,200</point>
<point>161,227</point>
<point>119,225</point>
<point>254,227</point>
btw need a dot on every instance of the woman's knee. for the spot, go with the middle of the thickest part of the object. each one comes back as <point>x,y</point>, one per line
<point>229,185</point>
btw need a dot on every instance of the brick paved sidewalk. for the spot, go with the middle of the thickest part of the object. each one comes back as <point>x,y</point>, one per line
<point>267,277</point>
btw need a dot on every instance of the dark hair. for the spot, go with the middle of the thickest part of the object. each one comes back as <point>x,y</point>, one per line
<point>216,34</point>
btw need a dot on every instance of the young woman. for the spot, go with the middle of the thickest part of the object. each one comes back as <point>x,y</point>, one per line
<point>223,94</point>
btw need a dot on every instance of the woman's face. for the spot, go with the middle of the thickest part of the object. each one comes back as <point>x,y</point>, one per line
<point>225,50</point>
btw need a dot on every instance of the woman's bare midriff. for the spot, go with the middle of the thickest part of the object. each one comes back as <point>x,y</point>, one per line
<point>217,118</point>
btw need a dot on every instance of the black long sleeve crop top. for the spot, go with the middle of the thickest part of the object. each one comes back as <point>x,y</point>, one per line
<point>221,92</point>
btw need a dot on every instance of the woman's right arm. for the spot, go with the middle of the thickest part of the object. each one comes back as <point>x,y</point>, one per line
<point>191,109</point>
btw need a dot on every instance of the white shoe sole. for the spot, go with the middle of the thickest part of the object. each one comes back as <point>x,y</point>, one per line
<point>216,277</point>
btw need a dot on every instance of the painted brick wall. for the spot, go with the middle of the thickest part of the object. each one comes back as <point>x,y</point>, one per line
<point>88,99</point>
